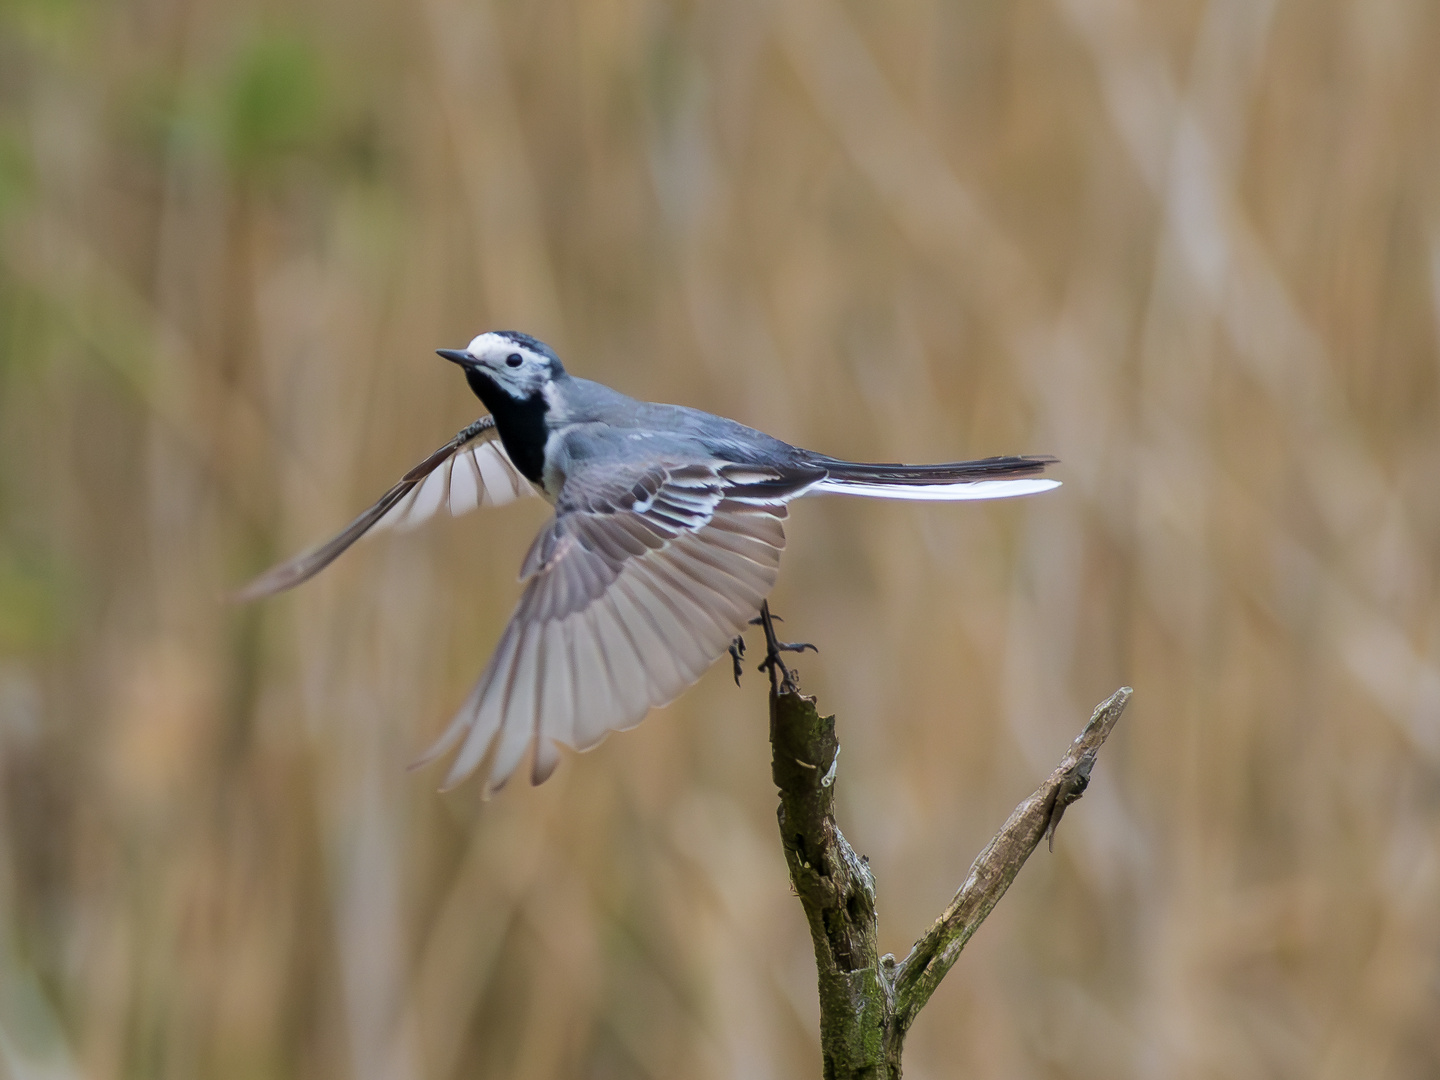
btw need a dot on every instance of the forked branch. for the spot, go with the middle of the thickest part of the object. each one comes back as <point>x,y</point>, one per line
<point>868,1002</point>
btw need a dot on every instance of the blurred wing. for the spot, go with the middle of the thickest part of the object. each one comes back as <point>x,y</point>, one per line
<point>466,473</point>
<point>470,470</point>
<point>641,581</point>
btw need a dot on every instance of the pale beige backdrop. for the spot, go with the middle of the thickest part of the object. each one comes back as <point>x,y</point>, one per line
<point>1192,248</point>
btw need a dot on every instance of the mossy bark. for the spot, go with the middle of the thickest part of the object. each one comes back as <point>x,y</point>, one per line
<point>836,888</point>
<point>868,1002</point>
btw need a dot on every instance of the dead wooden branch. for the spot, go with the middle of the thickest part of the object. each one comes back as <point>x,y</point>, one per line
<point>868,1002</point>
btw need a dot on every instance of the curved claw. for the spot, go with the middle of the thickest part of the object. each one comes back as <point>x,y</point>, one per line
<point>782,679</point>
<point>737,657</point>
<point>796,646</point>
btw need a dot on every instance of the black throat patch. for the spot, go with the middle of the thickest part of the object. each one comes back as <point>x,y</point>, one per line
<point>521,423</point>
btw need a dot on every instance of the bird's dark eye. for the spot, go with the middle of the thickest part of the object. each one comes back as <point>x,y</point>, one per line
<point>514,359</point>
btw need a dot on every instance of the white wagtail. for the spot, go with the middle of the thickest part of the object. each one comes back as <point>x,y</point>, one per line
<point>666,541</point>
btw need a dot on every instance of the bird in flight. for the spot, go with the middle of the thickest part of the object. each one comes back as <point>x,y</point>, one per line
<point>665,543</point>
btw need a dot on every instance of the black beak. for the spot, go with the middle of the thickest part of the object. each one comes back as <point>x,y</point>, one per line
<point>457,356</point>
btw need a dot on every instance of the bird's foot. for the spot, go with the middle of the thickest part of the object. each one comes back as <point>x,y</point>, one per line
<point>782,679</point>
<point>737,657</point>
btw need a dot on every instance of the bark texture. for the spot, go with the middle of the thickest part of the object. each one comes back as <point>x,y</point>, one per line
<point>868,1002</point>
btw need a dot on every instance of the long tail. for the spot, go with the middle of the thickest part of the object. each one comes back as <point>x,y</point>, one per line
<point>989,478</point>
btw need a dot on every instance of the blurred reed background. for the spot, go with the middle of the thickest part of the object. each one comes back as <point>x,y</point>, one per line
<point>1190,246</point>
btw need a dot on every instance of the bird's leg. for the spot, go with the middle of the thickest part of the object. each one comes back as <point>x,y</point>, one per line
<point>737,656</point>
<point>781,678</point>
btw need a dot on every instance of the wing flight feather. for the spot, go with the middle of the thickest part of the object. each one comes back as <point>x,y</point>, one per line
<point>469,471</point>
<point>639,584</point>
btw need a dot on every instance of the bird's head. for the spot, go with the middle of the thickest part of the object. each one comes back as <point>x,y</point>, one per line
<point>514,364</point>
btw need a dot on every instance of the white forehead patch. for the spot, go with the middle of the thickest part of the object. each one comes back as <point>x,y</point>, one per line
<point>479,342</point>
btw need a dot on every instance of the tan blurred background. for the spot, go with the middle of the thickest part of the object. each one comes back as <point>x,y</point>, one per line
<point>1192,247</point>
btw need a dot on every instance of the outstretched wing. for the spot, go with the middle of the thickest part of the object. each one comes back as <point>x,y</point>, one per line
<point>639,584</point>
<point>471,470</point>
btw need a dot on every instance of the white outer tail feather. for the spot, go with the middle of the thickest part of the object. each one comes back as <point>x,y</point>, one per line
<point>951,492</point>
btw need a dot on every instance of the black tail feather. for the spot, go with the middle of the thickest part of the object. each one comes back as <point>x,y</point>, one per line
<point>994,468</point>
